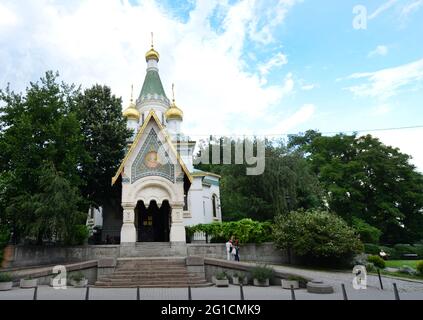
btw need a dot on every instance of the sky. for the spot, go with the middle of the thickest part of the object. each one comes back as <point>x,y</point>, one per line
<point>240,67</point>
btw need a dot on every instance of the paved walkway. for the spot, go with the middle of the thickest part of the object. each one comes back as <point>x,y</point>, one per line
<point>210,294</point>
<point>338,278</point>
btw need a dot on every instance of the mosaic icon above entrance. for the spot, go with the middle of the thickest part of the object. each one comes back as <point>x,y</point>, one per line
<point>153,160</point>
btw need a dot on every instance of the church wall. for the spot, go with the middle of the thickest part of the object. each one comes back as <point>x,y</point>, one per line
<point>201,206</point>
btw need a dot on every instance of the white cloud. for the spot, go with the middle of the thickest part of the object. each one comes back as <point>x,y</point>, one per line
<point>7,17</point>
<point>308,87</point>
<point>411,8</point>
<point>276,61</point>
<point>303,115</point>
<point>385,6</point>
<point>388,82</point>
<point>379,51</point>
<point>406,141</point>
<point>381,110</point>
<point>95,41</point>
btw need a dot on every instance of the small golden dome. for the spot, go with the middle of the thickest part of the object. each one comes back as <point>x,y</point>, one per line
<point>132,113</point>
<point>152,55</point>
<point>174,113</point>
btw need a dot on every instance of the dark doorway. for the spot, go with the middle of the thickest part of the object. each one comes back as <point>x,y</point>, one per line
<point>154,222</point>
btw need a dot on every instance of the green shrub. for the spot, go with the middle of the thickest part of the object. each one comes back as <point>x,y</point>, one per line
<point>77,277</point>
<point>78,236</point>
<point>402,249</point>
<point>222,276</point>
<point>319,237</point>
<point>371,248</point>
<point>377,261</point>
<point>419,250</point>
<point>5,277</point>
<point>419,267</point>
<point>262,273</point>
<point>370,267</point>
<point>240,275</point>
<point>368,233</point>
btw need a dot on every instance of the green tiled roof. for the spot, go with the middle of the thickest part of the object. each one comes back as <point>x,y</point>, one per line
<point>152,85</point>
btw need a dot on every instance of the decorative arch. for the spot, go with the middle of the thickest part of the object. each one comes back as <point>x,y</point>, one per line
<point>157,189</point>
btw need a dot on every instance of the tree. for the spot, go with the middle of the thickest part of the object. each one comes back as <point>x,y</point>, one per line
<point>365,179</point>
<point>318,237</point>
<point>53,212</point>
<point>105,137</point>
<point>286,184</point>
<point>36,128</point>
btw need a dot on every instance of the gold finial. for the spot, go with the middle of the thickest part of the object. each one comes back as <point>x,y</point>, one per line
<point>132,93</point>
<point>152,40</point>
<point>173,92</point>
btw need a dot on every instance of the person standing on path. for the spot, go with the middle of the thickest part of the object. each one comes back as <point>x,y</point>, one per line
<point>236,249</point>
<point>229,248</point>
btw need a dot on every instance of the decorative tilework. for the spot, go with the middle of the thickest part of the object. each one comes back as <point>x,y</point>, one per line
<point>140,169</point>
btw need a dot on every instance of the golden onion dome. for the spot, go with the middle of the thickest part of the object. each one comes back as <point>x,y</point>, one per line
<point>174,113</point>
<point>152,55</point>
<point>132,113</point>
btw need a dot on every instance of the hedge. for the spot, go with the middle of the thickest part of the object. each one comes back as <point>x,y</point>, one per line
<point>245,231</point>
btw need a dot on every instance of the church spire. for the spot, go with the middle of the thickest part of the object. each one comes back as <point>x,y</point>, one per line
<point>152,89</point>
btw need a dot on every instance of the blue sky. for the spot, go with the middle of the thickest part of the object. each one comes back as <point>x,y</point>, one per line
<point>240,67</point>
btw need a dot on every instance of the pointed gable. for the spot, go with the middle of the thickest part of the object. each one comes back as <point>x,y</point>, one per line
<point>152,147</point>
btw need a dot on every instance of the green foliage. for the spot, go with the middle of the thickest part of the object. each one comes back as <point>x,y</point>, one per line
<point>38,128</point>
<point>77,277</point>
<point>420,267</point>
<point>296,278</point>
<point>104,133</point>
<point>286,184</point>
<point>4,240</point>
<point>318,236</point>
<point>402,249</point>
<point>262,273</point>
<point>53,211</point>
<point>59,149</point>
<point>365,179</point>
<point>5,277</point>
<point>368,234</point>
<point>246,231</point>
<point>78,235</point>
<point>377,261</point>
<point>419,249</point>
<point>371,248</point>
<point>240,275</point>
<point>222,276</point>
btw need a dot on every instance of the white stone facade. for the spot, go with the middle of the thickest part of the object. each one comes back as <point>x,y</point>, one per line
<point>168,180</point>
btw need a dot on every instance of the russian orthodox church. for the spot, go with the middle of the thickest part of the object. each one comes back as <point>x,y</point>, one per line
<point>162,193</point>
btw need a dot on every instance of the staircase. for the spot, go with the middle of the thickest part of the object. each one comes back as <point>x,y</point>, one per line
<point>152,250</point>
<point>151,273</point>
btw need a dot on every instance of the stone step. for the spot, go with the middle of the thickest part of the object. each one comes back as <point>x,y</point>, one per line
<point>192,285</point>
<point>146,277</point>
<point>148,283</point>
<point>150,273</point>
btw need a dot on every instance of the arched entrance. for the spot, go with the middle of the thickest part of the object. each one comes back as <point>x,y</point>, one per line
<point>153,221</point>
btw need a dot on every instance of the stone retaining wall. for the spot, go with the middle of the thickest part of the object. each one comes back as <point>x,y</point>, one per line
<point>26,256</point>
<point>263,253</point>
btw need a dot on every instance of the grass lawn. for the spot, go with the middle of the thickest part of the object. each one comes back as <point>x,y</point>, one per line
<point>400,263</point>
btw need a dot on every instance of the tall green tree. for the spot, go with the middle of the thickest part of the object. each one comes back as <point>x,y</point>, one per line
<point>104,139</point>
<point>36,127</point>
<point>286,184</point>
<point>365,179</point>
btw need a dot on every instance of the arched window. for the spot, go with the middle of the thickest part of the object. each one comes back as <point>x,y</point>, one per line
<point>214,203</point>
